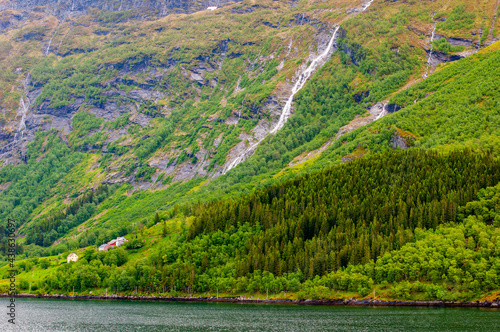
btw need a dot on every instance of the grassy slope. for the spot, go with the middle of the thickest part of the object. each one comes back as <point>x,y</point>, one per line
<point>456,107</point>
<point>430,126</point>
<point>121,41</point>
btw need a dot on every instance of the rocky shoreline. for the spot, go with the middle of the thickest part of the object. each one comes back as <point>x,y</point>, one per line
<point>345,302</point>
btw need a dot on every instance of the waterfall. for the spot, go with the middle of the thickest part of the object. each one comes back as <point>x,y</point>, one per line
<point>26,82</point>
<point>24,109</point>
<point>301,81</point>
<point>286,112</point>
<point>48,47</point>
<point>22,124</point>
<point>429,59</point>
<point>366,5</point>
<point>50,41</point>
<point>384,111</point>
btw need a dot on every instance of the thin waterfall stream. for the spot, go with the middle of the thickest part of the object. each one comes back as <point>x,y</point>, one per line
<point>48,46</point>
<point>286,112</point>
<point>24,109</point>
<point>429,58</point>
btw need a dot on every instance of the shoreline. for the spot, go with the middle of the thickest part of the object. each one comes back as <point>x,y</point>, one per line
<point>346,302</point>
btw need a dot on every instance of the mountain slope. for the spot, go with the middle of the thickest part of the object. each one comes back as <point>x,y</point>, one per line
<point>110,118</point>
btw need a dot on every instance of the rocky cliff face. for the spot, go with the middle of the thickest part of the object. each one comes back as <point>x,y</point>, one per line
<point>221,85</point>
<point>66,8</point>
<point>146,90</point>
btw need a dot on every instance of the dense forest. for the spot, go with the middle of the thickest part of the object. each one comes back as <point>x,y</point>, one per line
<point>368,223</point>
<point>58,223</point>
<point>352,213</point>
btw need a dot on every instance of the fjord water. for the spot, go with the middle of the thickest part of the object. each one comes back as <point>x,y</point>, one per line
<point>85,315</point>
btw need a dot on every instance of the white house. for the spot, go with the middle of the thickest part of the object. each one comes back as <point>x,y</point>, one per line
<point>211,8</point>
<point>72,257</point>
<point>120,241</point>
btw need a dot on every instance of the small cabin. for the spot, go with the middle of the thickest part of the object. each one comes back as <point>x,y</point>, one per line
<point>72,257</point>
<point>211,8</point>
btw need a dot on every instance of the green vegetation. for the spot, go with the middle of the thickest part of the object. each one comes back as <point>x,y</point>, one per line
<point>443,46</point>
<point>154,102</point>
<point>459,18</point>
<point>58,223</point>
<point>48,160</point>
<point>354,212</point>
<point>452,109</point>
<point>334,230</point>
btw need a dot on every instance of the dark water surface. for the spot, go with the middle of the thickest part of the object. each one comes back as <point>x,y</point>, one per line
<point>108,315</point>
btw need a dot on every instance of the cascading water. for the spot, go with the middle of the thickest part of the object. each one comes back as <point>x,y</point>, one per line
<point>48,47</point>
<point>301,81</point>
<point>24,109</point>
<point>429,59</point>
<point>384,111</point>
<point>286,112</point>
<point>366,5</point>
<point>50,40</point>
<point>22,124</point>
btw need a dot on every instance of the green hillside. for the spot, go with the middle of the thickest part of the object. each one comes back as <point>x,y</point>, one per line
<point>455,108</point>
<point>397,223</point>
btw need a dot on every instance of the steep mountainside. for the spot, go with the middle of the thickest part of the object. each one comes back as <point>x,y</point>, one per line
<point>67,8</point>
<point>115,115</point>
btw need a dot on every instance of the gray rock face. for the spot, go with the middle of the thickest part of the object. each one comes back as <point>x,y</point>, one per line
<point>377,111</point>
<point>437,57</point>
<point>147,84</point>
<point>11,20</point>
<point>398,141</point>
<point>458,41</point>
<point>391,108</point>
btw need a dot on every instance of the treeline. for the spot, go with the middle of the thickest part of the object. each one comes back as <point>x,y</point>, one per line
<point>351,213</point>
<point>455,261</point>
<point>452,262</point>
<point>56,224</point>
<point>390,222</point>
